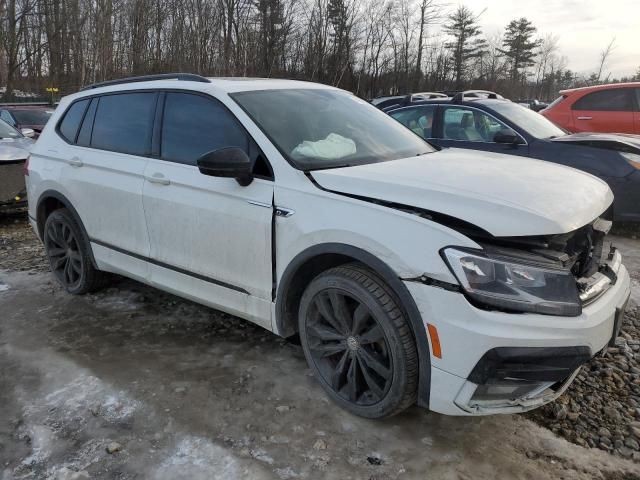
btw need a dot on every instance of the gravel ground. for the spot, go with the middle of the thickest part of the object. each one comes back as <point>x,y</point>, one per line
<point>132,382</point>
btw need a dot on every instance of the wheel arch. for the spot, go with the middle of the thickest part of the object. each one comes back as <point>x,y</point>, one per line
<point>310,262</point>
<point>48,202</point>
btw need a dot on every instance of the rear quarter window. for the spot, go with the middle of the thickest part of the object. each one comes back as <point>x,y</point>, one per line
<point>70,123</point>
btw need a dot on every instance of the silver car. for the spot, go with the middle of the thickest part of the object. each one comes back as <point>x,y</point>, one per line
<point>14,150</point>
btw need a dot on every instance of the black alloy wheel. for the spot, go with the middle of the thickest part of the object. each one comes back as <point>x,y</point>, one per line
<point>358,343</point>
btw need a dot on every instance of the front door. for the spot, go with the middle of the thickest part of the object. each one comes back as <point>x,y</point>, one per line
<point>607,111</point>
<point>210,237</point>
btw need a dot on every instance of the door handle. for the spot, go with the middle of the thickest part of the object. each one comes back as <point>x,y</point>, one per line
<point>75,162</point>
<point>585,118</point>
<point>158,179</point>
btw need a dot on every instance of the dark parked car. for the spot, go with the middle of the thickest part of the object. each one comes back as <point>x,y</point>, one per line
<point>26,116</point>
<point>498,125</point>
<point>387,102</point>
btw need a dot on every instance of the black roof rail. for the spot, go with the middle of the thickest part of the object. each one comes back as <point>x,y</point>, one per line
<point>459,97</point>
<point>189,77</point>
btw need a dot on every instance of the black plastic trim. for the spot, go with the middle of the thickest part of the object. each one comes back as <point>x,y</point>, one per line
<point>532,364</point>
<point>406,301</point>
<point>169,267</point>
<point>190,77</point>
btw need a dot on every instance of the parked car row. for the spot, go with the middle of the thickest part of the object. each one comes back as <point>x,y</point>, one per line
<point>501,126</point>
<point>26,116</point>
<point>464,281</point>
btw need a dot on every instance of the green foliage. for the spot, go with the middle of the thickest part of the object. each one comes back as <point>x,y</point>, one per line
<point>466,42</point>
<point>519,46</point>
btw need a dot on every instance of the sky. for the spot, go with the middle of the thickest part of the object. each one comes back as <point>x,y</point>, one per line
<point>584,28</point>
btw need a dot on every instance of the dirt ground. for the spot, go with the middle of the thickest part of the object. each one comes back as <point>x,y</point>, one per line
<point>136,383</point>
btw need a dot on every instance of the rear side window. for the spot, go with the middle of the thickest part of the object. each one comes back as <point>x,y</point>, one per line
<point>84,137</point>
<point>68,128</point>
<point>417,119</point>
<point>123,123</point>
<point>614,100</point>
<point>194,125</point>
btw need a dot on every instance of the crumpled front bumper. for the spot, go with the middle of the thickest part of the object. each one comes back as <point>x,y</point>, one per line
<point>467,334</point>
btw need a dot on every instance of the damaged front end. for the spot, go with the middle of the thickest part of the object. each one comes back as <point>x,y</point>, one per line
<point>550,275</point>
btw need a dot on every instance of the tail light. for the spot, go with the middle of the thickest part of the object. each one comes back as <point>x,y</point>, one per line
<point>25,167</point>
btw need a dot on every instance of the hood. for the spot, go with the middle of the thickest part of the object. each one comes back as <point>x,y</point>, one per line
<point>628,139</point>
<point>502,194</point>
<point>12,150</point>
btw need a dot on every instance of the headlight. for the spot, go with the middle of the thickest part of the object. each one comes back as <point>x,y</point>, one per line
<point>511,285</point>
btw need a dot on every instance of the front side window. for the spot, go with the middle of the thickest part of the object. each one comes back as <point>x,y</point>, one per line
<point>471,125</point>
<point>417,119</point>
<point>71,122</point>
<point>194,125</point>
<point>322,128</point>
<point>123,123</point>
<point>614,100</point>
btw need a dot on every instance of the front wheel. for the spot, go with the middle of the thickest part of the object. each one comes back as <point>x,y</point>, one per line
<point>69,255</point>
<point>358,343</point>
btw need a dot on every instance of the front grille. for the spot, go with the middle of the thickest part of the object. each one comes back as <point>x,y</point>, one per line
<point>11,180</point>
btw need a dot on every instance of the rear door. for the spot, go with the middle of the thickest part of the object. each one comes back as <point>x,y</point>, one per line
<point>607,111</point>
<point>210,237</point>
<point>103,173</point>
<point>467,127</point>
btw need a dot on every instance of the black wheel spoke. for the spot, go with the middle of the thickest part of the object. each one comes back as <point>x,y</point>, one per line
<point>338,374</point>
<point>324,307</point>
<point>57,252</point>
<point>352,381</point>
<point>371,360</point>
<point>325,332</point>
<point>67,271</point>
<point>74,255</point>
<point>328,349</point>
<point>59,263</point>
<point>360,317</point>
<point>370,381</point>
<point>373,335</point>
<point>340,310</point>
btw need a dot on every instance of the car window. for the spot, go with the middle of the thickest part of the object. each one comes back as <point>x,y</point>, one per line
<point>71,122</point>
<point>417,119</point>
<point>471,125</point>
<point>123,123</point>
<point>6,116</point>
<point>32,116</point>
<point>7,131</point>
<point>194,125</point>
<point>84,137</point>
<point>614,100</point>
<point>637,90</point>
<point>527,120</point>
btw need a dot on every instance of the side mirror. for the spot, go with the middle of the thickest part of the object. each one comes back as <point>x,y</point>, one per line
<point>508,137</point>
<point>231,162</point>
<point>28,132</point>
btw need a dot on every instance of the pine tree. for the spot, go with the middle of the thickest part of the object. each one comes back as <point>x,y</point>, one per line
<point>519,46</point>
<point>466,44</point>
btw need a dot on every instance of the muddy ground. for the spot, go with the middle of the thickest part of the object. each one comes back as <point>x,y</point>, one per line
<point>135,383</point>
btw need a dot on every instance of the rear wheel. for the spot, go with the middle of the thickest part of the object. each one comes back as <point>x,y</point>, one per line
<point>68,254</point>
<point>358,343</point>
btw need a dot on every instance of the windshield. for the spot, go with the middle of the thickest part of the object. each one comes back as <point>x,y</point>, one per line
<point>32,117</point>
<point>531,122</point>
<point>7,131</point>
<point>318,128</point>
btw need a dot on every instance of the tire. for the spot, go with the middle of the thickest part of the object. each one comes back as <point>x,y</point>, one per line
<point>69,254</point>
<point>358,343</point>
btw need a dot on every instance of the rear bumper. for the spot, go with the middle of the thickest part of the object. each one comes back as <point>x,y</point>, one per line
<point>485,351</point>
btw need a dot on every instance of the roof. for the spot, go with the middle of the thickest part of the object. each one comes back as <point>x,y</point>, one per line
<point>601,87</point>
<point>214,85</point>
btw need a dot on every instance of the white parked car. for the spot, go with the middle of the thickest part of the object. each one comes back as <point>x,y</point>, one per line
<point>447,278</point>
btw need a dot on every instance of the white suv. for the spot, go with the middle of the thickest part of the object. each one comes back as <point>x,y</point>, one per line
<point>468,282</point>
